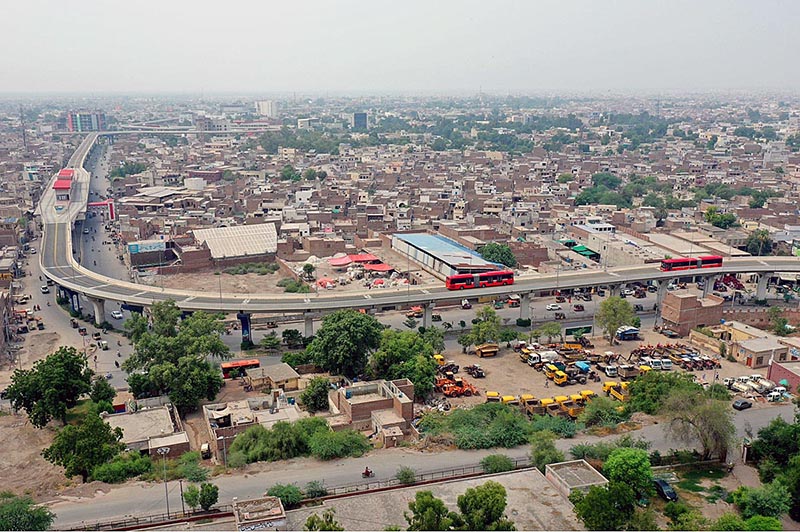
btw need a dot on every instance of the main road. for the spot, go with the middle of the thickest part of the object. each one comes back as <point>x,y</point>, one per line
<point>58,264</point>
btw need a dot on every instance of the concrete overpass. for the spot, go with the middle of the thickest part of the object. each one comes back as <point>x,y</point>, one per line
<point>73,279</point>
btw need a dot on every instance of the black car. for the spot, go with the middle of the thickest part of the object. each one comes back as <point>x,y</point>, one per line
<point>665,490</point>
<point>741,404</point>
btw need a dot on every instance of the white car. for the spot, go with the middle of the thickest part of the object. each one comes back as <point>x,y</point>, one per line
<point>627,292</point>
<point>33,251</point>
<point>116,314</point>
<point>45,289</point>
<point>553,306</point>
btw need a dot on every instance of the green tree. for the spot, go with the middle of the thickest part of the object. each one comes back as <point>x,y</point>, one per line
<point>550,329</point>
<point>51,386</point>
<point>435,337</point>
<point>135,326</point>
<point>289,494</point>
<point>565,178</point>
<point>309,174</point>
<point>729,521</point>
<point>602,411</point>
<point>191,496</point>
<point>428,513</point>
<point>315,396</point>
<point>21,513</point>
<point>609,507</point>
<point>761,522</point>
<point>483,507</point>
<point>406,475</point>
<point>188,382</point>
<point>315,489</point>
<point>293,338</point>
<point>326,522</point>
<point>344,342</point>
<point>692,416</point>
<point>465,340</point>
<point>501,253</point>
<point>632,467</point>
<point>759,243</point>
<point>648,392</point>
<point>770,500</point>
<point>497,463</point>
<point>508,335</point>
<point>614,313</point>
<point>288,173</point>
<point>543,450</point>
<point>488,327</point>
<point>101,391</point>
<point>308,271</point>
<point>270,342</point>
<point>209,495</point>
<point>778,324</point>
<point>409,355</point>
<point>80,448</point>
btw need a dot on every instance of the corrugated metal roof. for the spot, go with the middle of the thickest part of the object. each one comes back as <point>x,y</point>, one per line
<point>239,241</point>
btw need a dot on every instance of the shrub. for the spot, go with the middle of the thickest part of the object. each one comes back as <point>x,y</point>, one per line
<point>237,460</point>
<point>497,463</point>
<point>315,489</point>
<point>602,411</point>
<point>327,445</point>
<point>563,427</point>
<point>406,475</point>
<point>523,322</point>
<point>123,467</point>
<point>543,450</point>
<point>209,495</point>
<point>289,494</point>
<point>297,358</point>
<point>315,396</point>
<point>770,500</point>
<point>601,450</point>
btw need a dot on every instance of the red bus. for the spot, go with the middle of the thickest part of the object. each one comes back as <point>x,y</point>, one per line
<point>711,261</point>
<point>241,365</point>
<point>479,280</point>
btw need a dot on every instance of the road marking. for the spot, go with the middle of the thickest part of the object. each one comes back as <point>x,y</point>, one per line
<point>137,294</point>
<point>246,301</point>
<point>426,292</point>
<point>306,300</point>
<point>190,298</point>
<point>763,263</point>
<point>367,296</point>
<point>614,274</point>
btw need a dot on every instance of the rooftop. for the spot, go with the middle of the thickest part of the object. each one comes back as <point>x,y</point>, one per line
<point>577,473</point>
<point>142,424</point>
<point>760,345</point>
<point>239,241</point>
<point>444,249</point>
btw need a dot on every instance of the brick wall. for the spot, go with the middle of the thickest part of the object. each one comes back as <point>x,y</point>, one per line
<point>778,372</point>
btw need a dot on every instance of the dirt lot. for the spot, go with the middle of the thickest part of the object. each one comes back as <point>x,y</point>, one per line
<point>508,375</point>
<point>37,346</point>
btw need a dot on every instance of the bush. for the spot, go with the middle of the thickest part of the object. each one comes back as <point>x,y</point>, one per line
<point>770,500</point>
<point>338,444</point>
<point>209,495</point>
<point>543,450</point>
<point>292,286</point>
<point>297,358</point>
<point>497,463</point>
<point>406,475</point>
<point>315,489</point>
<point>602,411</point>
<point>523,322</point>
<point>190,467</point>
<point>123,467</point>
<point>315,396</point>
<point>253,267</point>
<point>237,460</point>
<point>601,450</point>
<point>563,427</point>
<point>289,494</point>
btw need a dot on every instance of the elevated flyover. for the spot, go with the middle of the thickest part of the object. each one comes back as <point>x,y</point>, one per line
<point>59,265</point>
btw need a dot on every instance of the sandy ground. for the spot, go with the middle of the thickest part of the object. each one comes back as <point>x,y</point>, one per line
<point>36,347</point>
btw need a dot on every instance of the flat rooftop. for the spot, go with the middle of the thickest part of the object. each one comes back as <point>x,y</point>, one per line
<point>143,424</point>
<point>239,241</point>
<point>577,473</point>
<point>444,249</point>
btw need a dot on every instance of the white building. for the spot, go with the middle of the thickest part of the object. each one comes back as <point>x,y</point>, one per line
<point>267,108</point>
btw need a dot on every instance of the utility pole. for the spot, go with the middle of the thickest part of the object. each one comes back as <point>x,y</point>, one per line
<point>164,451</point>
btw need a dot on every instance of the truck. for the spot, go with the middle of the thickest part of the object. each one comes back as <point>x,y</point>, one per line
<point>628,372</point>
<point>560,378</point>
<point>609,369</point>
<point>654,363</point>
<point>583,367</point>
<point>531,405</point>
<point>487,350</point>
<point>740,387</point>
<point>569,406</point>
<point>553,409</point>
<point>550,371</point>
<point>619,392</point>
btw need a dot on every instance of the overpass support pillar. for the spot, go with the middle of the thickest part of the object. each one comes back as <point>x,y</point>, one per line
<point>74,300</point>
<point>99,307</point>
<point>525,307</point>
<point>761,287</point>
<point>710,281</point>
<point>613,290</point>
<point>309,322</point>
<point>427,314</point>
<point>244,319</point>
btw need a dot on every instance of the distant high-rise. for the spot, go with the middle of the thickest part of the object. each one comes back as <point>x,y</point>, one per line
<point>80,121</point>
<point>267,108</point>
<point>359,121</point>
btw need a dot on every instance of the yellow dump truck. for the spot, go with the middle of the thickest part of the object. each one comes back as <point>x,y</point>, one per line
<point>487,350</point>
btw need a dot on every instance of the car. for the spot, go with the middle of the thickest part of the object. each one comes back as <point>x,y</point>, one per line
<point>465,304</point>
<point>33,251</point>
<point>578,308</point>
<point>652,289</point>
<point>665,490</point>
<point>627,292</point>
<point>45,289</point>
<point>109,376</point>
<point>86,231</point>
<point>669,334</point>
<point>553,306</point>
<point>116,314</point>
<point>742,404</point>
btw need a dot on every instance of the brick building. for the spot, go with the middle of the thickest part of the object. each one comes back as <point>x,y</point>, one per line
<point>682,311</point>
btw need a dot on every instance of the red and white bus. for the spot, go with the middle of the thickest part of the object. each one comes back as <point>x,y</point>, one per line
<point>479,280</point>
<point>241,365</point>
<point>710,261</point>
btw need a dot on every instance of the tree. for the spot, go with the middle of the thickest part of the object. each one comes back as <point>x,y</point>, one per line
<point>51,386</point>
<point>760,522</point>
<point>102,391</point>
<point>508,335</point>
<point>465,340</point>
<point>79,449</point>
<point>605,508</point>
<point>497,463</point>
<point>288,173</point>
<point>308,271</point>
<point>209,495</point>
<point>406,475</point>
<point>292,337</point>
<point>289,494</point>
<point>270,342</point>
<point>501,253</point>
<point>326,522</point>
<point>693,416</point>
<point>614,313</point>
<point>717,219</point>
<point>309,174</point>
<point>344,341</point>
<point>488,327</point>
<point>135,326</point>
<point>759,242</point>
<point>630,466</point>
<point>435,337</point>
<point>549,329</point>
<point>778,324</point>
<point>189,382</point>
<point>648,393</point>
<point>770,500</point>
<point>315,396</point>
<point>543,449</point>
<point>482,508</point>
<point>428,513</point>
<point>21,513</point>
<point>191,496</point>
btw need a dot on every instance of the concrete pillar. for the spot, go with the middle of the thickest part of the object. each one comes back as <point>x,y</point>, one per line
<point>525,307</point>
<point>709,284</point>
<point>761,287</point>
<point>662,291</point>
<point>613,290</point>
<point>309,322</point>
<point>427,310</point>
<point>99,307</point>
<point>244,319</point>
<point>74,300</point>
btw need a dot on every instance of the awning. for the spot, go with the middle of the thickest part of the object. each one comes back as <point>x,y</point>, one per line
<point>378,267</point>
<point>340,261</point>
<point>325,281</point>
<point>363,257</point>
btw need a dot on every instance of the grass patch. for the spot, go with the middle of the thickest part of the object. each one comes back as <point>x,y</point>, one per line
<point>691,478</point>
<point>716,493</point>
<point>79,411</point>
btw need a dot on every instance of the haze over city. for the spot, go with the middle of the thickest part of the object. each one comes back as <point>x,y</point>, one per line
<point>422,47</point>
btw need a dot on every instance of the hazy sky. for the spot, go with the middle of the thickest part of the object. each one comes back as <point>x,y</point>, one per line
<point>399,46</point>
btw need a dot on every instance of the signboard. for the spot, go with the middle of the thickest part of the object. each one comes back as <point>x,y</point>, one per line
<point>146,245</point>
<point>580,331</point>
<point>6,275</point>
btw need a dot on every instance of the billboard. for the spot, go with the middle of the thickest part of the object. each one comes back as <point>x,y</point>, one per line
<point>146,245</point>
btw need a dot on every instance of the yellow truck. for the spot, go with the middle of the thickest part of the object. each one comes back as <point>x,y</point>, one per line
<point>608,385</point>
<point>531,405</point>
<point>486,350</point>
<point>552,408</point>
<point>550,371</point>
<point>510,400</point>
<point>560,378</point>
<point>619,392</point>
<point>493,397</point>
<point>569,406</point>
<point>439,359</point>
<point>588,395</point>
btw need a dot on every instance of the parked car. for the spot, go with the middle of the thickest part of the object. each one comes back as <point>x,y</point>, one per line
<point>669,334</point>
<point>553,306</point>
<point>116,314</point>
<point>627,292</point>
<point>86,231</point>
<point>578,308</point>
<point>665,490</point>
<point>742,404</point>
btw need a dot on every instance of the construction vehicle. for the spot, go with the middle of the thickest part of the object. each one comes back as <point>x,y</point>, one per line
<point>574,375</point>
<point>532,406</point>
<point>609,369</point>
<point>493,397</point>
<point>524,354</point>
<point>514,300</point>
<point>552,408</point>
<point>415,312</point>
<point>509,400</point>
<point>550,371</point>
<point>475,371</point>
<point>628,372</point>
<point>560,378</point>
<point>654,363</point>
<point>608,385</point>
<point>583,367</point>
<point>585,343</point>
<point>458,387</point>
<point>644,369</point>
<point>588,395</point>
<point>449,367</point>
<point>619,392</point>
<point>487,350</point>
<point>569,406</point>
<point>439,359</point>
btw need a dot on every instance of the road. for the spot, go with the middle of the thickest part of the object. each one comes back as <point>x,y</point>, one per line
<point>142,498</point>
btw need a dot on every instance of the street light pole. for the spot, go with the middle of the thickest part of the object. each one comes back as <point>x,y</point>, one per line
<point>164,451</point>
<point>224,452</point>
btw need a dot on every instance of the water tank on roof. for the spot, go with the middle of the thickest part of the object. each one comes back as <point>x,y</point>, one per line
<point>348,394</point>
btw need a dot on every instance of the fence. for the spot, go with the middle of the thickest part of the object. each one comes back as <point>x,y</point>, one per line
<point>226,510</point>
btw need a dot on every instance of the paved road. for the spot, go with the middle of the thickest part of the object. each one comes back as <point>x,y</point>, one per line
<point>142,498</point>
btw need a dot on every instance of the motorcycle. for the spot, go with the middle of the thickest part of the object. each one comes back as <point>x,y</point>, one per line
<point>368,473</point>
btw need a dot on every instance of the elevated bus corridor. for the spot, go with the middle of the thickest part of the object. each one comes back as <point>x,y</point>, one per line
<point>59,265</point>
